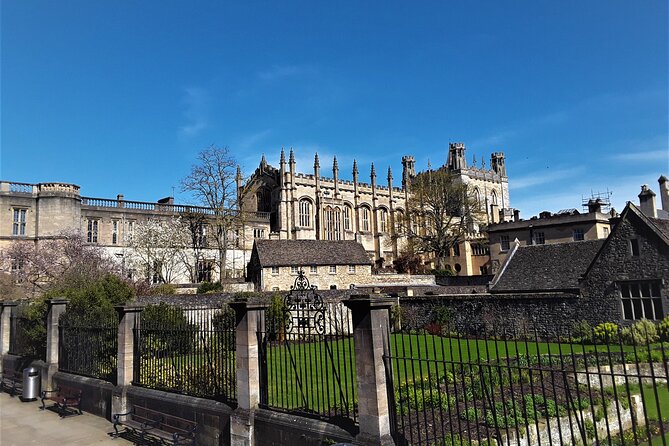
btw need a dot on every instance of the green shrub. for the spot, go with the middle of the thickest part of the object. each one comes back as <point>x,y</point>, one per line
<point>166,330</point>
<point>581,331</point>
<point>663,329</point>
<point>209,287</point>
<point>164,289</point>
<point>442,272</point>
<point>278,317</point>
<point>641,332</point>
<point>606,332</point>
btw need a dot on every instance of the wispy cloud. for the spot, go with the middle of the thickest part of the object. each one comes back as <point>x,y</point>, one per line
<point>276,72</point>
<point>545,177</point>
<point>196,102</point>
<point>651,155</point>
<point>250,141</point>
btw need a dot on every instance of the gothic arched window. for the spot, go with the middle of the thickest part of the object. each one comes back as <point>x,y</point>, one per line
<point>305,213</point>
<point>493,197</point>
<point>347,217</point>
<point>263,200</point>
<point>364,217</point>
<point>477,198</point>
<point>332,223</point>
<point>384,220</point>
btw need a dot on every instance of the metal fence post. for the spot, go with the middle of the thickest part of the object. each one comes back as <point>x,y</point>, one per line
<point>56,307</point>
<point>371,330</point>
<point>6,309</point>
<point>127,319</point>
<point>249,318</point>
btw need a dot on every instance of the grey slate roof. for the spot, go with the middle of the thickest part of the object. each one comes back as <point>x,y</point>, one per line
<point>662,225</point>
<point>310,252</point>
<point>547,267</point>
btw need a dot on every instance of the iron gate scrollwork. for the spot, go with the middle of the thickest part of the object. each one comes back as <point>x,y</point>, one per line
<point>307,361</point>
<point>304,307</point>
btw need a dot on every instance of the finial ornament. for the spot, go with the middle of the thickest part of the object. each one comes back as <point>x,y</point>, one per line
<point>292,156</point>
<point>335,166</point>
<point>317,163</point>
<point>390,174</point>
<point>355,167</point>
<point>283,156</point>
<point>373,173</point>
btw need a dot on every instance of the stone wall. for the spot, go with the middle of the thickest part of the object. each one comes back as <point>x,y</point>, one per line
<point>615,263</point>
<point>547,313</point>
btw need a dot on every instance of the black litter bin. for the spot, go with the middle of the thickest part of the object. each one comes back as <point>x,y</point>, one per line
<point>31,384</point>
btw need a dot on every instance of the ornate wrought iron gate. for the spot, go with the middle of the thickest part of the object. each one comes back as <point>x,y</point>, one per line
<point>307,356</point>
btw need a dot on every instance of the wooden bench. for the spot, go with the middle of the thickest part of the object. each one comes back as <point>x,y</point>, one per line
<point>67,400</point>
<point>156,425</point>
<point>12,381</point>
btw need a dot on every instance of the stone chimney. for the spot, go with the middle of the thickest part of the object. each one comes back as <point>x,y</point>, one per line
<point>647,202</point>
<point>516,215</point>
<point>594,205</point>
<point>664,192</point>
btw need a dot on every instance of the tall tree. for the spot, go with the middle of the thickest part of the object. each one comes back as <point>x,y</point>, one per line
<point>212,181</point>
<point>159,247</point>
<point>439,212</point>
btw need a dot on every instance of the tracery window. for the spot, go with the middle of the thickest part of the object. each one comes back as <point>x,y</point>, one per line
<point>384,220</point>
<point>365,218</point>
<point>332,223</point>
<point>347,217</point>
<point>305,213</point>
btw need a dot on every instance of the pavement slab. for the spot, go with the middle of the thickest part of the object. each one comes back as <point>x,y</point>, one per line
<point>25,424</point>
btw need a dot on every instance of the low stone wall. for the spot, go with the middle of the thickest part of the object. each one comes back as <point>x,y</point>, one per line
<point>212,417</point>
<point>566,430</point>
<point>95,396</point>
<point>624,374</point>
<point>547,313</point>
<point>279,429</point>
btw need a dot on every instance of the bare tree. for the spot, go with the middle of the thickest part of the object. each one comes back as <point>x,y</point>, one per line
<point>439,213</point>
<point>159,247</point>
<point>212,181</point>
<point>195,225</point>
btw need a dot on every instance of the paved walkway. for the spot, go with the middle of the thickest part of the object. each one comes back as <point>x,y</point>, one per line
<point>24,424</point>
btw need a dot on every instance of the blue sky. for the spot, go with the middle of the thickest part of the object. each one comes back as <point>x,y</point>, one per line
<point>119,96</point>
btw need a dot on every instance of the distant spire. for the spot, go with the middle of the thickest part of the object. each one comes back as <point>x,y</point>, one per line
<point>474,161</point>
<point>239,173</point>
<point>283,156</point>
<point>292,156</point>
<point>355,167</point>
<point>373,173</point>
<point>335,166</point>
<point>429,165</point>
<point>390,174</point>
<point>263,161</point>
<point>317,163</point>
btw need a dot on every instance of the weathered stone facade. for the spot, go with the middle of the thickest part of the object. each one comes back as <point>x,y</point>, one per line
<point>617,265</point>
<point>313,207</point>
<point>36,212</point>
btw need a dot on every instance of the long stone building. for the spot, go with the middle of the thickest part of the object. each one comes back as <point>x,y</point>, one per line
<point>310,206</point>
<point>277,203</point>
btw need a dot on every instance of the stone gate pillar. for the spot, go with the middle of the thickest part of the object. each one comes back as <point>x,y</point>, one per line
<point>371,330</point>
<point>249,322</point>
<point>56,307</point>
<point>128,316</point>
<point>6,309</point>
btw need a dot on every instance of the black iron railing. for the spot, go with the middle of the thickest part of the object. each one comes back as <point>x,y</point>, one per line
<point>186,350</point>
<point>27,336</point>
<point>514,388</point>
<point>89,348</point>
<point>307,357</point>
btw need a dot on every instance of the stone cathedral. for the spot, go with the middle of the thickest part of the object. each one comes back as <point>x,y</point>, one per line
<point>310,206</point>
